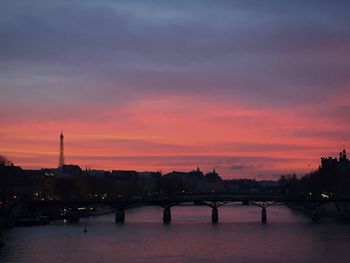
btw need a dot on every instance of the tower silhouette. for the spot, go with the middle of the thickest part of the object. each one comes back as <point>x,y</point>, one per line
<point>61,158</point>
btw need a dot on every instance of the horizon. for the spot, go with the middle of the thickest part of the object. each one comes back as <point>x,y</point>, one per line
<point>248,89</point>
<point>187,169</point>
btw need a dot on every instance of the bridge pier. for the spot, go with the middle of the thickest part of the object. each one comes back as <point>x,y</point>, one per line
<point>166,215</point>
<point>120,215</point>
<point>214,215</point>
<point>314,216</point>
<point>263,215</point>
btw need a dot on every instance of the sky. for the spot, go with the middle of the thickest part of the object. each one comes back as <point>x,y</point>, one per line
<point>253,89</point>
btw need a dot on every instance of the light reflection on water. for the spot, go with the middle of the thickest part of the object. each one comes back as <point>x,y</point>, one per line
<point>239,237</point>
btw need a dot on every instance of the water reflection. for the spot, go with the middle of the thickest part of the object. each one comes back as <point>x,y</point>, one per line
<point>239,237</point>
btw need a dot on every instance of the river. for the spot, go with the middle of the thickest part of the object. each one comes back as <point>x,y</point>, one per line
<point>239,236</point>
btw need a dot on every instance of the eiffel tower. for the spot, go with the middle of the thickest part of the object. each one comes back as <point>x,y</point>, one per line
<point>61,157</point>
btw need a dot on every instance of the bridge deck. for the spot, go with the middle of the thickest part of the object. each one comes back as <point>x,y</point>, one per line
<point>196,199</point>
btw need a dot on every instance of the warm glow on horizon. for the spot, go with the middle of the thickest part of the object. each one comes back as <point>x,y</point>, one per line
<point>178,134</point>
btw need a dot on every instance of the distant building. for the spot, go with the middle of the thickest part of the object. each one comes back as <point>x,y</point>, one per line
<point>124,174</point>
<point>213,175</point>
<point>71,169</point>
<point>332,164</point>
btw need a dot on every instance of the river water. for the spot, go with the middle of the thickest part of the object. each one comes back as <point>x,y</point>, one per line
<point>288,236</point>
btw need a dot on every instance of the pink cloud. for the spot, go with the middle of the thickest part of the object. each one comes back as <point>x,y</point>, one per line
<point>178,127</point>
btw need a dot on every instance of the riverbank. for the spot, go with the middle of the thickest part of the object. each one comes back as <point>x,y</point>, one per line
<point>27,221</point>
<point>316,212</point>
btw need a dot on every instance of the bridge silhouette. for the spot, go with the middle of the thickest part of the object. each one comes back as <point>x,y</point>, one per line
<point>214,201</point>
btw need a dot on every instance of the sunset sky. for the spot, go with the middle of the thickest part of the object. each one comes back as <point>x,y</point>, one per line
<point>253,89</point>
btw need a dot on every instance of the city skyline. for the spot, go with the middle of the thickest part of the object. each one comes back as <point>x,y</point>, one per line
<point>254,91</point>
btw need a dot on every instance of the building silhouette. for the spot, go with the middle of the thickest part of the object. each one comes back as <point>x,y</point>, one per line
<point>333,164</point>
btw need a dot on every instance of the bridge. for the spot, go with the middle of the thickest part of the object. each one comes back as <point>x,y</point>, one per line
<point>214,201</point>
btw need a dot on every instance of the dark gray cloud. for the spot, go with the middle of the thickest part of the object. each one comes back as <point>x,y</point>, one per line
<point>239,167</point>
<point>279,52</point>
